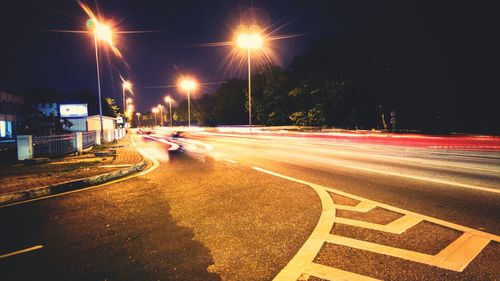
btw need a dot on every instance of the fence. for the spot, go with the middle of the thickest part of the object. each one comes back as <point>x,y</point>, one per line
<point>8,152</point>
<point>54,145</point>
<point>89,139</point>
<point>29,146</point>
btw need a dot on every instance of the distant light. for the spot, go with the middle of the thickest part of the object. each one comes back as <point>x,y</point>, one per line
<point>127,85</point>
<point>129,101</point>
<point>168,99</point>
<point>188,84</point>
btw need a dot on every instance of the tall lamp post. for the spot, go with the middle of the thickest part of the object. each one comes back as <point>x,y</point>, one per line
<point>161,114</point>
<point>249,41</point>
<point>102,32</point>
<point>154,110</point>
<point>126,85</point>
<point>128,106</point>
<point>188,84</point>
<point>168,99</point>
<point>138,119</point>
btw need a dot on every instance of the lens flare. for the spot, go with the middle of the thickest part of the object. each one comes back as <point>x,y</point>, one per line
<point>102,30</point>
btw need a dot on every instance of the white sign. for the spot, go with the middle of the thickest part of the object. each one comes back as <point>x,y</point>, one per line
<point>119,120</point>
<point>73,110</point>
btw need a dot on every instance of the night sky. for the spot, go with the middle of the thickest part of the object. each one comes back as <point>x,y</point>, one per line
<point>32,57</point>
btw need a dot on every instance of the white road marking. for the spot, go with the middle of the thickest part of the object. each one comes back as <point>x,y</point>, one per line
<point>330,273</point>
<point>427,179</point>
<point>230,161</point>
<point>21,251</point>
<point>396,174</point>
<point>456,256</point>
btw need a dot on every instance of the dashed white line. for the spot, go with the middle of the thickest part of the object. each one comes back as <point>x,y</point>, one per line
<point>37,247</point>
<point>231,161</point>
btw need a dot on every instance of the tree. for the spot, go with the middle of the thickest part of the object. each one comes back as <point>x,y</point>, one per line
<point>111,104</point>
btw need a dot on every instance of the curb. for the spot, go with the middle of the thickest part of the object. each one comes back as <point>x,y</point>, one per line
<point>14,197</point>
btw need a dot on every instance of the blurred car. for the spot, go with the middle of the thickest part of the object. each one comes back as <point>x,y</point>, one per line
<point>144,132</point>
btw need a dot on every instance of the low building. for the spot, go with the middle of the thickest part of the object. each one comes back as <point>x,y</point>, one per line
<point>10,115</point>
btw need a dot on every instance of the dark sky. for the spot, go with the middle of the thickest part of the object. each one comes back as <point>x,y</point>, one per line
<point>31,57</point>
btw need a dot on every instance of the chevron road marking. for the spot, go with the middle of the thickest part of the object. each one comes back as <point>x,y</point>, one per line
<point>456,256</point>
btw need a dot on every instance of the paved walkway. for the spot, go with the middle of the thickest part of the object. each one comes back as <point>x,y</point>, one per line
<point>22,176</point>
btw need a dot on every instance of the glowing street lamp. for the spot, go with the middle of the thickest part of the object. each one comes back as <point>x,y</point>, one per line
<point>168,99</point>
<point>125,86</point>
<point>188,84</point>
<point>250,41</point>
<point>138,119</point>
<point>154,110</point>
<point>102,32</point>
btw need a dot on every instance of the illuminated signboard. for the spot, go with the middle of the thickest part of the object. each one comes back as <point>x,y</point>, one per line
<point>119,120</point>
<point>73,110</point>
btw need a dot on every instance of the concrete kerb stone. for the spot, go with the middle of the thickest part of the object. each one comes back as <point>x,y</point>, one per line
<point>14,197</point>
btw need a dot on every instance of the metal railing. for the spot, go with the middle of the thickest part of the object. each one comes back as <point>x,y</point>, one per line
<point>8,150</point>
<point>54,145</point>
<point>88,139</point>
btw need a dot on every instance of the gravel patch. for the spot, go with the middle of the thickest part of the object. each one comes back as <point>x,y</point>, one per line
<point>342,200</point>
<point>376,215</point>
<point>483,267</point>
<point>424,237</point>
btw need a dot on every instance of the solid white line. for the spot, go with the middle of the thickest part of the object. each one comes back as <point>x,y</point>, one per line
<point>464,185</point>
<point>21,251</point>
<point>230,161</point>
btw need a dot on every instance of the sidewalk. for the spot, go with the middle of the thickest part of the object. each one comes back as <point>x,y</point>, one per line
<point>24,177</point>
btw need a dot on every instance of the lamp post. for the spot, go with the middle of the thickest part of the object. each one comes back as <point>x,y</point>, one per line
<point>188,84</point>
<point>126,85</point>
<point>138,119</point>
<point>161,114</point>
<point>249,41</point>
<point>102,32</point>
<point>154,110</point>
<point>128,106</point>
<point>168,99</point>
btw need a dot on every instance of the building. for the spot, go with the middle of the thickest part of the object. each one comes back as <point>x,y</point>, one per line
<point>10,115</point>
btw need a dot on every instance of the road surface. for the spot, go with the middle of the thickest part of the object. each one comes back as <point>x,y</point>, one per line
<point>240,207</point>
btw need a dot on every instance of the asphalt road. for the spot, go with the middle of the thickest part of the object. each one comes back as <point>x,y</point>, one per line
<point>427,181</point>
<point>224,219</point>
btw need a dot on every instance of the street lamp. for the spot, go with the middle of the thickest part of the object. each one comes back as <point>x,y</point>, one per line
<point>125,86</point>
<point>188,84</point>
<point>102,32</point>
<point>154,110</point>
<point>138,119</point>
<point>250,41</point>
<point>161,114</point>
<point>168,99</point>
